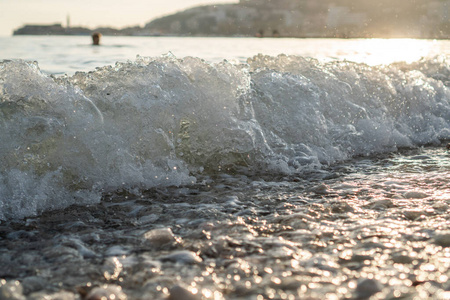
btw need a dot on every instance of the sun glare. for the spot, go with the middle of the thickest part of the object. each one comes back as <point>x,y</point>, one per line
<point>386,51</point>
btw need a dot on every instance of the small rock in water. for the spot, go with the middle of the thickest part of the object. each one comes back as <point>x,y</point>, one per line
<point>440,206</point>
<point>106,292</point>
<point>381,204</point>
<point>412,214</point>
<point>183,257</point>
<point>442,238</point>
<point>79,245</point>
<point>402,259</point>
<point>320,189</point>
<point>180,293</point>
<point>341,207</point>
<point>415,195</point>
<point>160,236</point>
<point>367,288</point>
<point>62,295</point>
<point>232,201</point>
<point>33,283</point>
<point>11,290</point>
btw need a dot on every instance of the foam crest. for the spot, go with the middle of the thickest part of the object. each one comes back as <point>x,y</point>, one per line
<point>161,121</point>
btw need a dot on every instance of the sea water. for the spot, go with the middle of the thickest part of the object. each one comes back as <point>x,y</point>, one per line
<point>60,55</point>
<point>289,174</point>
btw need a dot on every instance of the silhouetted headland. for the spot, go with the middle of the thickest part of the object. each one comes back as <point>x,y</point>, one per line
<point>290,18</point>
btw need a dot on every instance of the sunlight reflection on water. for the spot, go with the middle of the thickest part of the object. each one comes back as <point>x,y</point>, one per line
<point>68,54</point>
<point>386,51</point>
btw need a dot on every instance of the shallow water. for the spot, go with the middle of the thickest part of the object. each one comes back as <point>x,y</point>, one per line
<point>370,226</point>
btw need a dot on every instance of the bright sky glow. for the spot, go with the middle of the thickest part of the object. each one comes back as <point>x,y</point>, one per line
<point>90,13</point>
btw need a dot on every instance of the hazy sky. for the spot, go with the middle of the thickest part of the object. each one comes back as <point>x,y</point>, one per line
<point>89,13</point>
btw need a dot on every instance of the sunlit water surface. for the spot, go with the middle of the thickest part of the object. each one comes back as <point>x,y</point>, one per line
<point>62,54</point>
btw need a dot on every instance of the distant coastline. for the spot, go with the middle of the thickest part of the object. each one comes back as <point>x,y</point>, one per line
<point>58,29</point>
<point>427,19</point>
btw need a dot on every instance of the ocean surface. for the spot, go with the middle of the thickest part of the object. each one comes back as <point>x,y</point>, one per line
<point>69,54</point>
<point>224,168</point>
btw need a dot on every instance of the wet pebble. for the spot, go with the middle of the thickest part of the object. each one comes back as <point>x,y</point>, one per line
<point>62,295</point>
<point>106,292</point>
<point>381,204</point>
<point>412,214</point>
<point>440,207</point>
<point>402,259</point>
<point>341,207</point>
<point>180,293</point>
<point>297,220</point>
<point>11,290</point>
<point>415,195</point>
<point>442,238</point>
<point>183,257</point>
<point>160,236</point>
<point>321,189</point>
<point>62,254</point>
<point>79,245</point>
<point>33,284</point>
<point>232,201</point>
<point>367,288</point>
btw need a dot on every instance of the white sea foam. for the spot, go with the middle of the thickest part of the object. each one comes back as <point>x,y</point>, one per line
<point>161,121</point>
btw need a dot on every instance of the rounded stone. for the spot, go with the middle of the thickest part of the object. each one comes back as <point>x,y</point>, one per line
<point>321,189</point>
<point>442,238</point>
<point>160,236</point>
<point>415,195</point>
<point>106,292</point>
<point>367,288</point>
<point>61,295</point>
<point>183,257</point>
<point>413,214</point>
<point>180,293</point>
<point>11,290</point>
<point>33,284</point>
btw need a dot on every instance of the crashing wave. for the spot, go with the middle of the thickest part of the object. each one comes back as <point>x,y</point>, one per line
<point>162,121</point>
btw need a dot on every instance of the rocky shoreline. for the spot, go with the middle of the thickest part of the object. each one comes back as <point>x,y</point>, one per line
<point>371,227</point>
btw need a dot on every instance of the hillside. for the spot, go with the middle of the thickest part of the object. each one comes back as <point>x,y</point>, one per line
<point>311,18</point>
<point>291,18</point>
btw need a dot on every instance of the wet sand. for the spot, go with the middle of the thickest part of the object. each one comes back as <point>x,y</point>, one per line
<point>371,227</point>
